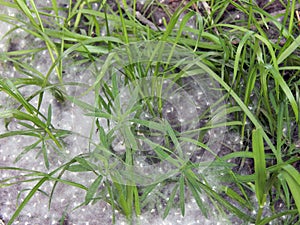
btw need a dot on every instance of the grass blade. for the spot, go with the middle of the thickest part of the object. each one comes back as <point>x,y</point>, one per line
<point>181,195</point>
<point>289,50</point>
<point>193,185</point>
<point>170,201</point>
<point>92,190</point>
<point>136,201</point>
<point>279,79</point>
<point>26,200</point>
<point>259,166</point>
<point>292,177</point>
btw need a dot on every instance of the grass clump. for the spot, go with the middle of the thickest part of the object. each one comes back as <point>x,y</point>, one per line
<point>239,45</point>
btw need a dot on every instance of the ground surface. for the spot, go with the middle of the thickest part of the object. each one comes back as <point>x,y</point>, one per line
<point>68,116</point>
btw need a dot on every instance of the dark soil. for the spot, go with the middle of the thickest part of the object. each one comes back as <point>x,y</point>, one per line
<point>164,8</point>
<point>158,12</point>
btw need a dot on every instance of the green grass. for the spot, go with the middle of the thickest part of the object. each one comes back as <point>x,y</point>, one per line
<point>258,76</point>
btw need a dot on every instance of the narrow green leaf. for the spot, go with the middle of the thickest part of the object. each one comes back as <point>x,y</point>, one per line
<point>272,218</point>
<point>37,15</point>
<point>225,202</point>
<point>26,200</point>
<point>12,90</point>
<point>232,194</point>
<point>294,185</point>
<point>259,166</point>
<point>136,201</point>
<point>171,133</point>
<point>194,187</point>
<point>22,5</point>
<point>237,58</point>
<point>92,190</point>
<point>289,50</point>
<point>81,104</point>
<point>279,127</point>
<point>122,199</point>
<point>27,149</point>
<point>45,154</point>
<point>84,163</point>
<point>181,195</point>
<point>170,201</point>
<point>285,189</point>
<point>78,168</point>
<point>288,93</point>
<point>292,172</point>
<point>49,117</point>
<point>249,88</point>
<point>150,124</point>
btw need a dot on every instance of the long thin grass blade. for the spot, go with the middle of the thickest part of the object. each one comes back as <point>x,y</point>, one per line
<point>259,166</point>
<point>292,177</point>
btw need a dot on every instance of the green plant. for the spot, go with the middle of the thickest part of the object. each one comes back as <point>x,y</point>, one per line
<point>257,74</point>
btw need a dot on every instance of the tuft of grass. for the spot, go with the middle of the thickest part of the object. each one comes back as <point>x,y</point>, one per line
<point>254,60</point>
